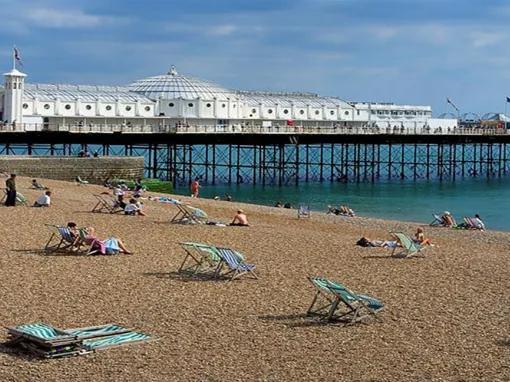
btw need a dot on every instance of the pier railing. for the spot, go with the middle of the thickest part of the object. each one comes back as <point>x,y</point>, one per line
<point>249,129</point>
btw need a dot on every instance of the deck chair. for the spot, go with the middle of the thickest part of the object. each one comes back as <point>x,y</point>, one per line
<point>470,223</point>
<point>199,258</point>
<point>409,246</point>
<point>122,339</point>
<point>60,239</point>
<point>97,331</point>
<point>235,264</point>
<point>188,215</point>
<point>303,211</point>
<point>79,180</point>
<point>20,198</point>
<point>333,301</point>
<point>106,203</point>
<point>437,222</point>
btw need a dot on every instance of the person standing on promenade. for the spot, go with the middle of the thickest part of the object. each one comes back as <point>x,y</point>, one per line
<point>195,186</point>
<point>10,185</point>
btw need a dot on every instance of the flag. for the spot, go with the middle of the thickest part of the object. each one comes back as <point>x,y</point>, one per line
<point>448,100</point>
<point>507,99</point>
<point>17,56</point>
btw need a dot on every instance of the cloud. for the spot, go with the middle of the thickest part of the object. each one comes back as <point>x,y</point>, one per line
<point>65,18</point>
<point>483,39</point>
<point>222,30</point>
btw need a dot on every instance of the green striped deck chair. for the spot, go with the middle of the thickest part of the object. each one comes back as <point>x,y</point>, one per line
<point>20,198</point>
<point>116,340</point>
<point>333,301</point>
<point>187,214</point>
<point>97,331</point>
<point>200,258</point>
<point>409,246</point>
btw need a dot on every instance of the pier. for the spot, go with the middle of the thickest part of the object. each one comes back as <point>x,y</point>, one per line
<point>279,155</point>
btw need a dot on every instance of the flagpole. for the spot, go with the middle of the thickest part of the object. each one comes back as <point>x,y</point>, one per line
<point>14,57</point>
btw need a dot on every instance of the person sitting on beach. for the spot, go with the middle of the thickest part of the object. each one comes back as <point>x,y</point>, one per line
<point>44,200</point>
<point>447,219</point>
<point>97,244</point>
<point>117,191</point>
<point>477,221</point>
<point>134,208</point>
<point>419,237</point>
<point>38,186</point>
<point>228,197</point>
<point>240,219</point>
<point>120,201</point>
<point>278,204</point>
<point>346,211</point>
<point>366,242</point>
<point>287,205</point>
<point>139,188</point>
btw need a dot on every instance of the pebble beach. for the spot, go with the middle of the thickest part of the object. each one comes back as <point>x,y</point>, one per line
<point>446,315</point>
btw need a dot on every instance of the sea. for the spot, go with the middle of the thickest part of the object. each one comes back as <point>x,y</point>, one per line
<point>395,200</point>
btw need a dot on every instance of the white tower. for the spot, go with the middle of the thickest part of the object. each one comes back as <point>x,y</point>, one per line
<point>13,96</point>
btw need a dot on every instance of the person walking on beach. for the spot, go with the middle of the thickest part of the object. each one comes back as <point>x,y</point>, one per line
<point>195,186</point>
<point>10,185</point>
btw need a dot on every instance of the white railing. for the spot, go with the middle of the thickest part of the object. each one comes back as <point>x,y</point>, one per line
<point>250,129</point>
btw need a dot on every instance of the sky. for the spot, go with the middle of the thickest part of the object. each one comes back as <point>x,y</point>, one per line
<point>402,51</point>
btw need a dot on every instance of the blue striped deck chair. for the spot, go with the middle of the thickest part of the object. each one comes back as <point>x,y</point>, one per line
<point>234,261</point>
<point>409,246</point>
<point>128,338</point>
<point>106,203</point>
<point>200,258</point>
<point>333,301</point>
<point>303,211</point>
<point>60,239</point>
<point>437,222</point>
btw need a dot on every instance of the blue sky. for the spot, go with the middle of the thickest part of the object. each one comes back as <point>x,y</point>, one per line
<point>405,51</point>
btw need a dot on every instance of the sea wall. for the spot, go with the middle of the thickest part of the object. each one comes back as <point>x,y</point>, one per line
<point>94,170</point>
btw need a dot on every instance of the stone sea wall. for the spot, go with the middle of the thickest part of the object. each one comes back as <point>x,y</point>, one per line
<point>94,170</point>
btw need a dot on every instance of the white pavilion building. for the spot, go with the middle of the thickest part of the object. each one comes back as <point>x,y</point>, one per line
<point>173,100</point>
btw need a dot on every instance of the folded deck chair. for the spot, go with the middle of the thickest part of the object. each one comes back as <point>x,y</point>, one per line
<point>106,203</point>
<point>60,239</point>
<point>188,215</point>
<point>199,258</point>
<point>409,246</point>
<point>234,261</point>
<point>303,211</point>
<point>116,340</point>
<point>97,331</point>
<point>333,301</point>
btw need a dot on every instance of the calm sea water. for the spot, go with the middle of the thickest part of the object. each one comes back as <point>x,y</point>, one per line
<point>410,201</point>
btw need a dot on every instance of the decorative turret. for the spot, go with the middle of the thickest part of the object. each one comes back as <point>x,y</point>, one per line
<point>13,96</point>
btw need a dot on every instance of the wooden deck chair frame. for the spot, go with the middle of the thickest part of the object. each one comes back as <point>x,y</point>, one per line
<point>234,271</point>
<point>437,222</point>
<point>60,242</point>
<point>184,215</point>
<point>334,295</point>
<point>304,211</point>
<point>198,259</point>
<point>106,205</point>
<point>409,247</point>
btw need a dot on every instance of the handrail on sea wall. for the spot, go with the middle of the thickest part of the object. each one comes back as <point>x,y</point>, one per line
<point>250,129</point>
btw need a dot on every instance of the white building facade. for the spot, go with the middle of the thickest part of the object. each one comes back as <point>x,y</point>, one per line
<point>172,100</point>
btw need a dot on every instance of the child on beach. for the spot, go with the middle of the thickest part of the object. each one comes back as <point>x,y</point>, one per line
<point>420,238</point>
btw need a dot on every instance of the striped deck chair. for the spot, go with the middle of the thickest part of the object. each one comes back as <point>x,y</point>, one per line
<point>437,222</point>
<point>106,203</point>
<point>333,301</point>
<point>187,214</point>
<point>234,261</point>
<point>97,331</point>
<point>200,258</point>
<point>116,340</point>
<point>470,223</point>
<point>20,198</point>
<point>303,211</point>
<point>61,239</point>
<point>410,247</point>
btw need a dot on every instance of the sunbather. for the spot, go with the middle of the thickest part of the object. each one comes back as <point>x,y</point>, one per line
<point>366,242</point>
<point>134,208</point>
<point>38,186</point>
<point>478,222</point>
<point>447,219</point>
<point>91,239</point>
<point>240,219</point>
<point>419,237</point>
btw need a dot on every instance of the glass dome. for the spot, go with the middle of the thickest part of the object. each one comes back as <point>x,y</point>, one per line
<point>173,85</point>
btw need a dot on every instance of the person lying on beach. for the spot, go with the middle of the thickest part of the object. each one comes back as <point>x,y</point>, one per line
<point>38,186</point>
<point>366,242</point>
<point>342,210</point>
<point>97,244</point>
<point>134,208</point>
<point>240,219</point>
<point>419,237</point>
<point>44,200</point>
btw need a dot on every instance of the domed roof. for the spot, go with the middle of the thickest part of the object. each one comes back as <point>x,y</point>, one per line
<point>173,85</point>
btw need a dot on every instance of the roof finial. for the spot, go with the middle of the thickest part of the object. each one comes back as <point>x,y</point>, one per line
<point>173,71</point>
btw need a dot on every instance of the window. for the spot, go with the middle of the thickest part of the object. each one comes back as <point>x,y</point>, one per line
<point>301,112</point>
<point>223,105</point>
<point>128,108</point>
<point>346,112</point>
<point>46,106</point>
<point>357,112</point>
<point>317,112</point>
<point>108,107</point>
<point>171,104</point>
<point>270,111</point>
<point>25,106</point>
<point>67,107</point>
<point>253,111</point>
<point>88,107</point>
<point>234,106</point>
<point>14,85</point>
<point>332,112</point>
<point>208,105</point>
<point>147,108</point>
<point>190,104</point>
<point>285,111</point>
